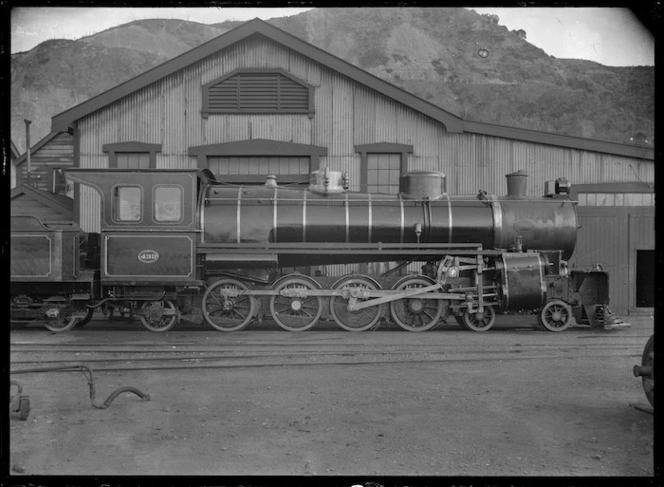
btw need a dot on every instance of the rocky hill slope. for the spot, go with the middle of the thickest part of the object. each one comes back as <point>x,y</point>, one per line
<point>464,62</point>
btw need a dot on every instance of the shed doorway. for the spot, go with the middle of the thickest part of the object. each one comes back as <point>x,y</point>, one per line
<point>645,278</point>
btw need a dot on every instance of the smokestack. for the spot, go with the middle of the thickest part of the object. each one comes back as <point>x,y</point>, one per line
<point>517,184</point>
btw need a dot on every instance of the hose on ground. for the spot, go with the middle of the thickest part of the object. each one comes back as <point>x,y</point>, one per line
<point>91,383</point>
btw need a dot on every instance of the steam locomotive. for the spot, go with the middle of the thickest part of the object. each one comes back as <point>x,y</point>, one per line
<point>174,243</point>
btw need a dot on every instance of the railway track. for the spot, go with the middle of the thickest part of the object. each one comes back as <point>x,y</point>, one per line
<point>33,356</point>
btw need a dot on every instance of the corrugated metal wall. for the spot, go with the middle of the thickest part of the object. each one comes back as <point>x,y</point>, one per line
<point>610,236</point>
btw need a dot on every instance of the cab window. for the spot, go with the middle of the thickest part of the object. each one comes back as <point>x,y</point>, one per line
<point>167,203</point>
<point>127,204</point>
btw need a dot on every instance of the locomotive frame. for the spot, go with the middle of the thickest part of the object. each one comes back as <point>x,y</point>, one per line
<point>174,241</point>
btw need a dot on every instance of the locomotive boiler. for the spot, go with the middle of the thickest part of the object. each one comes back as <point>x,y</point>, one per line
<point>422,213</point>
<point>179,242</point>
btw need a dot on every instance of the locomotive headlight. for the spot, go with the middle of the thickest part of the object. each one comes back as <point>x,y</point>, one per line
<point>453,272</point>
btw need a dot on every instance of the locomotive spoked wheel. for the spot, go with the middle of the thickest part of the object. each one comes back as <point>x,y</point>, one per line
<point>88,317</point>
<point>64,322</point>
<point>479,321</point>
<point>414,314</point>
<point>556,315</point>
<point>225,309</point>
<point>153,317</point>
<point>354,320</point>
<point>294,311</point>
<point>648,360</point>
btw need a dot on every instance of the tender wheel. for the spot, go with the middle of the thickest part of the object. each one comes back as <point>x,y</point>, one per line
<point>295,311</point>
<point>360,320</point>
<point>64,322</point>
<point>226,310</point>
<point>556,315</point>
<point>479,321</point>
<point>414,314</point>
<point>155,317</point>
<point>648,360</point>
<point>87,319</point>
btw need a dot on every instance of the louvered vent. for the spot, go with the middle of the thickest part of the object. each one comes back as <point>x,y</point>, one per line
<point>258,92</point>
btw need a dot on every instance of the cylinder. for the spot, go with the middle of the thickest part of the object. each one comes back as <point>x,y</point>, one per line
<point>517,184</point>
<point>523,286</point>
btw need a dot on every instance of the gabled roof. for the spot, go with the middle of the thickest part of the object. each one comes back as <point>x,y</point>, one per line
<point>35,148</point>
<point>62,121</point>
<point>58,202</point>
<point>15,153</point>
<point>453,123</point>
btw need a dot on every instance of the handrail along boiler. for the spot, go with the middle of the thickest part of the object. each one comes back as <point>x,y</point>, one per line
<point>177,242</point>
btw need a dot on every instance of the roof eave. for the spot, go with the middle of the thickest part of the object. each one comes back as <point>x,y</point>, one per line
<point>35,148</point>
<point>566,141</point>
<point>15,153</point>
<point>44,197</point>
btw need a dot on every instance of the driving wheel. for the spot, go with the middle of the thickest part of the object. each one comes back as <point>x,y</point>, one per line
<point>293,309</point>
<point>225,308</point>
<point>416,314</point>
<point>353,286</point>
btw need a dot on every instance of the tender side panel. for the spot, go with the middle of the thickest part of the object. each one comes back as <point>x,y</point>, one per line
<point>31,257</point>
<point>137,257</point>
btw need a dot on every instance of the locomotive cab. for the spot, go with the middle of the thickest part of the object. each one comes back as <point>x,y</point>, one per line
<point>148,225</point>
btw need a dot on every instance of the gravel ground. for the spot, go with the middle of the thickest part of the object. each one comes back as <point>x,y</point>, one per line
<point>509,402</point>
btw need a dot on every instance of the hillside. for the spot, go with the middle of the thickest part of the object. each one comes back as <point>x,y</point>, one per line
<point>433,53</point>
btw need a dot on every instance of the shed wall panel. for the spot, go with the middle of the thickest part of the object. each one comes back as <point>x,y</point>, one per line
<point>298,65</point>
<point>324,112</point>
<point>173,136</point>
<point>301,127</point>
<point>342,118</point>
<point>364,115</point>
<point>599,243</point>
<point>386,121</point>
